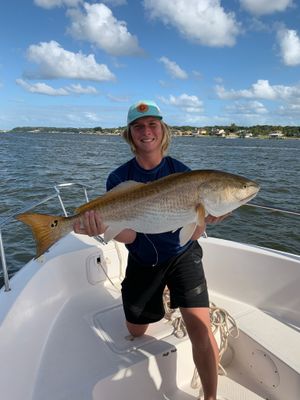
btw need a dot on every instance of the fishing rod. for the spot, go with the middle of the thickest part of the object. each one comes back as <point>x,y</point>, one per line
<point>277,209</point>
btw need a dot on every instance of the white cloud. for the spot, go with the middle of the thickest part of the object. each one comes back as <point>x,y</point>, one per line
<point>57,3</point>
<point>290,110</point>
<point>91,116</point>
<point>43,88</point>
<point>99,26</point>
<point>48,4</point>
<point>289,43</point>
<point>247,108</point>
<point>262,90</point>
<point>55,62</point>
<point>173,69</point>
<point>204,22</point>
<point>262,7</point>
<point>190,104</point>
<point>257,107</point>
<point>78,89</point>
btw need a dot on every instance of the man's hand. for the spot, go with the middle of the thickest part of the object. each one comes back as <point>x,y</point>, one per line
<point>210,219</point>
<point>90,224</point>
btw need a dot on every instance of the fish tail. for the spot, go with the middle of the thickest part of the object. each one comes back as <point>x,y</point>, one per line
<point>46,229</point>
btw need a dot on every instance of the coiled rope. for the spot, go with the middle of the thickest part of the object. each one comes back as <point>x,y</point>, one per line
<point>223,326</point>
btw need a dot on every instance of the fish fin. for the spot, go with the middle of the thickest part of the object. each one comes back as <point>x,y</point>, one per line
<point>186,232</point>
<point>123,186</point>
<point>111,232</point>
<point>201,214</point>
<point>46,229</point>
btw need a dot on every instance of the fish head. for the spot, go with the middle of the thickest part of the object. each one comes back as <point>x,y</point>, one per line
<point>223,192</point>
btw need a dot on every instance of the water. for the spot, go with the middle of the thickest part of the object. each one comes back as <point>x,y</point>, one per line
<point>31,164</point>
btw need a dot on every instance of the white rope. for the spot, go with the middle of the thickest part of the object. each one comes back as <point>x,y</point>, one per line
<point>223,326</point>
<point>174,316</point>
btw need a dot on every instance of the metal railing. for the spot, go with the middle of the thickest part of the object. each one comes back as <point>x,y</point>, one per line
<point>282,210</point>
<point>11,218</point>
<point>57,194</point>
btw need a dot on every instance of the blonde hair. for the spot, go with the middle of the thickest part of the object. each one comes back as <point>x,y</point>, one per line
<point>166,139</point>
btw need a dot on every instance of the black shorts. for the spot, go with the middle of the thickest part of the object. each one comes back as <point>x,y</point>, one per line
<point>143,286</point>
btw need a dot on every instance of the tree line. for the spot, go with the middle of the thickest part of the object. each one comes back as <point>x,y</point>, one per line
<point>256,130</point>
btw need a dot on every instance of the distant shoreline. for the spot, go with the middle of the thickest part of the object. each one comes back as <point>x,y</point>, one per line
<point>175,133</point>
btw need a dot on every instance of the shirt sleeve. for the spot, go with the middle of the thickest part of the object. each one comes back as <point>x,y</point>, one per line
<point>112,181</point>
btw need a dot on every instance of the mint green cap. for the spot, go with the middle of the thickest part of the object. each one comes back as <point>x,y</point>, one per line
<point>143,108</point>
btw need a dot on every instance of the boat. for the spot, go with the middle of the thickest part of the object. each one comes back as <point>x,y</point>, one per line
<point>63,335</point>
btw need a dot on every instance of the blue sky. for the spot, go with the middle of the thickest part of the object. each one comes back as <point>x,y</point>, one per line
<point>74,63</point>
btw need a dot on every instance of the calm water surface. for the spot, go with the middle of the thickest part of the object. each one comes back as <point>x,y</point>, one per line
<point>31,164</point>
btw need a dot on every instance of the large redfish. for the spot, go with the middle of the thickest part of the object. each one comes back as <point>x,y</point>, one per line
<point>181,200</point>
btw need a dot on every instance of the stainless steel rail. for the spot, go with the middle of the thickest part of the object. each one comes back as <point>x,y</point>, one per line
<point>11,218</point>
<point>57,194</point>
<point>282,210</point>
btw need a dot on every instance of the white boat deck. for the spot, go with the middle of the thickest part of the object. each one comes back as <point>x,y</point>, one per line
<point>93,357</point>
<point>86,338</point>
<point>81,350</point>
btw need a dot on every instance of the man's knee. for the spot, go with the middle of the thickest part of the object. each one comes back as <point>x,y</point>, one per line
<point>136,330</point>
<point>197,322</point>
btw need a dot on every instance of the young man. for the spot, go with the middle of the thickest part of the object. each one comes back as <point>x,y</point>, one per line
<point>157,260</point>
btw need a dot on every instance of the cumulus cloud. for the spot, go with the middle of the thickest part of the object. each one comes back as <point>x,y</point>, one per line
<point>292,110</point>
<point>78,89</point>
<point>289,43</point>
<point>188,103</point>
<point>55,62</point>
<point>261,90</point>
<point>91,116</point>
<point>43,88</point>
<point>248,108</point>
<point>262,7</point>
<point>204,22</point>
<point>173,69</point>
<point>98,25</point>
<point>57,3</point>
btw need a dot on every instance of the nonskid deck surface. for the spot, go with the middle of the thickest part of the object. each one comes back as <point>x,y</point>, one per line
<point>88,354</point>
<point>92,346</point>
<point>227,390</point>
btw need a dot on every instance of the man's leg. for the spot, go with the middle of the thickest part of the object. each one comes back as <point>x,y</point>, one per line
<point>205,349</point>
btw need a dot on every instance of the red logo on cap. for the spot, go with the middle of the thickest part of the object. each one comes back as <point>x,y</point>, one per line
<point>142,108</point>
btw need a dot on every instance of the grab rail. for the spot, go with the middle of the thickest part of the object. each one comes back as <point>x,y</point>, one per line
<point>273,209</point>
<point>84,187</point>
<point>11,217</point>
